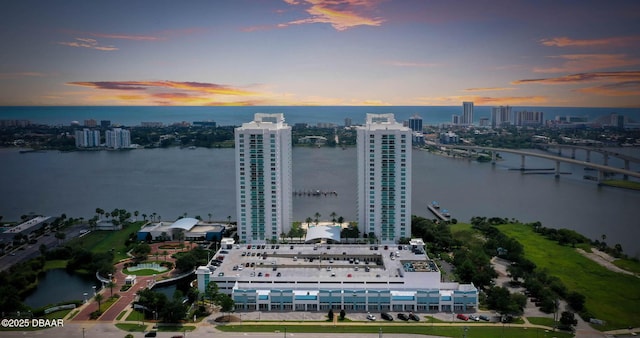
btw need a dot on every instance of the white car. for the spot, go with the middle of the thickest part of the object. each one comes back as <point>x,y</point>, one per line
<point>371,317</point>
<point>474,318</point>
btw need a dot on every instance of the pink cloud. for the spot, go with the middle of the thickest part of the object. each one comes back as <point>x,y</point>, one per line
<point>629,88</point>
<point>588,62</point>
<point>605,42</point>
<point>87,43</point>
<point>584,77</point>
<point>340,14</point>
<point>488,89</point>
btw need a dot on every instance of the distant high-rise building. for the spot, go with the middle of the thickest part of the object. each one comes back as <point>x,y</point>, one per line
<point>467,113</point>
<point>87,138</point>
<point>105,123</point>
<point>118,138</point>
<point>483,122</point>
<point>263,178</point>
<point>91,123</point>
<point>500,116</point>
<point>455,119</point>
<point>384,178</point>
<point>415,123</point>
<point>347,122</point>
<point>528,118</point>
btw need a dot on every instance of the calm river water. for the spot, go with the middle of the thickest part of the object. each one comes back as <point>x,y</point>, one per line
<point>173,181</point>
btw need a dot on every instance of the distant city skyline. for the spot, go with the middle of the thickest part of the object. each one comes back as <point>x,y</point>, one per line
<point>321,52</point>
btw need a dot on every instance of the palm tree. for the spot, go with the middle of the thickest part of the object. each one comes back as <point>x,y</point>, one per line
<point>110,285</point>
<point>144,217</point>
<point>209,214</point>
<point>317,216</point>
<point>165,253</point>
<point>333,217</point>
<point>340,220</point>
<point>228,220</point>
<point>136,213</point>
<point>98,297</point>
<point>308,220</point>
<point>99,211</point>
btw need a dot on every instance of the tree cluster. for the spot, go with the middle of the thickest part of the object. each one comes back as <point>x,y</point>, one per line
<point>187,261</point>
<point>168,310</point>
<point>437,234</point>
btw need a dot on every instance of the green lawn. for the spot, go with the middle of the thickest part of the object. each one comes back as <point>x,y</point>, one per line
<point>627,264</point>
<point>55,264</point>
<point>622,184</point>
<point>134,316</point>
<point>610,296</point>
<point>143,272</point>
<point>103,241</point>
<point>541,321</point>
<point>374,328</point>
<point>131,327</point>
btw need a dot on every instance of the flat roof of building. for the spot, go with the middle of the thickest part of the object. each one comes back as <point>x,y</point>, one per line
<point>257,266</point>
<point>26,225</point>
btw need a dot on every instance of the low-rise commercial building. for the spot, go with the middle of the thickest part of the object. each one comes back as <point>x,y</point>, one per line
<point>319,277</point>
<point>190,229</point>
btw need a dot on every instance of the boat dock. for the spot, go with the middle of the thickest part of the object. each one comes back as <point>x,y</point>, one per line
<point>443,214</point>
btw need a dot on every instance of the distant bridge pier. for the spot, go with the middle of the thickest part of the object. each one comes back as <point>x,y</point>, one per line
<point>522,157</point>
<point>606,158</point>
<point>600,176</point>
<point>493,157</point>
<point>588,155</point>
<point>573,153</point>
<point>557,169</point>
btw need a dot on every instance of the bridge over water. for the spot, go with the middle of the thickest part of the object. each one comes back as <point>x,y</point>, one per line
<point>605,153</point>
<point>602,169</point>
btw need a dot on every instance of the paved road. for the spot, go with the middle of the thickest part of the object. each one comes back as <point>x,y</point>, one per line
<point>33,250</point>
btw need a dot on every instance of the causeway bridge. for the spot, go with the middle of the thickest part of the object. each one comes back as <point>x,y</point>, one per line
<point>605,153</point>
<point>601,168</point>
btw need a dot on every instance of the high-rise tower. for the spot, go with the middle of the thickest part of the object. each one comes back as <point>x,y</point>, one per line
<point>467,113</point>
<point>263,178</point>
<point>415,123</point>
<point>384,178</point>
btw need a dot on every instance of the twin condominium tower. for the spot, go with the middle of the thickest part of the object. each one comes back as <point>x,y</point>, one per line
<point>264,178</point>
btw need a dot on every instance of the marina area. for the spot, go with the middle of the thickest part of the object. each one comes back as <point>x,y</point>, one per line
<point>442,214</point>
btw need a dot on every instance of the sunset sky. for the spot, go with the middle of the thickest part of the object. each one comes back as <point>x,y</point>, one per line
<point>320,52</point>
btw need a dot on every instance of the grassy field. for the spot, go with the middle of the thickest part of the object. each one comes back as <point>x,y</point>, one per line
<point>103,241</point>
<point>374,328</point>
<point>542,321</point>
<point>610,296</point>
<point>55,264</point>
<point>622,184</point>
<point>143,272</point>
<point>131,327</point>
<point>629,265</point>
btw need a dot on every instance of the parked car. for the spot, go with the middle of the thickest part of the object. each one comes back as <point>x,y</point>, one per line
<point>485,318</point>
<point>370,316</point>
<point>462,317</point>
<point>474,318</point>
<point>386,316</point>
<point>413,317</point>
<point>151,334</point>
<point>402,316</point>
